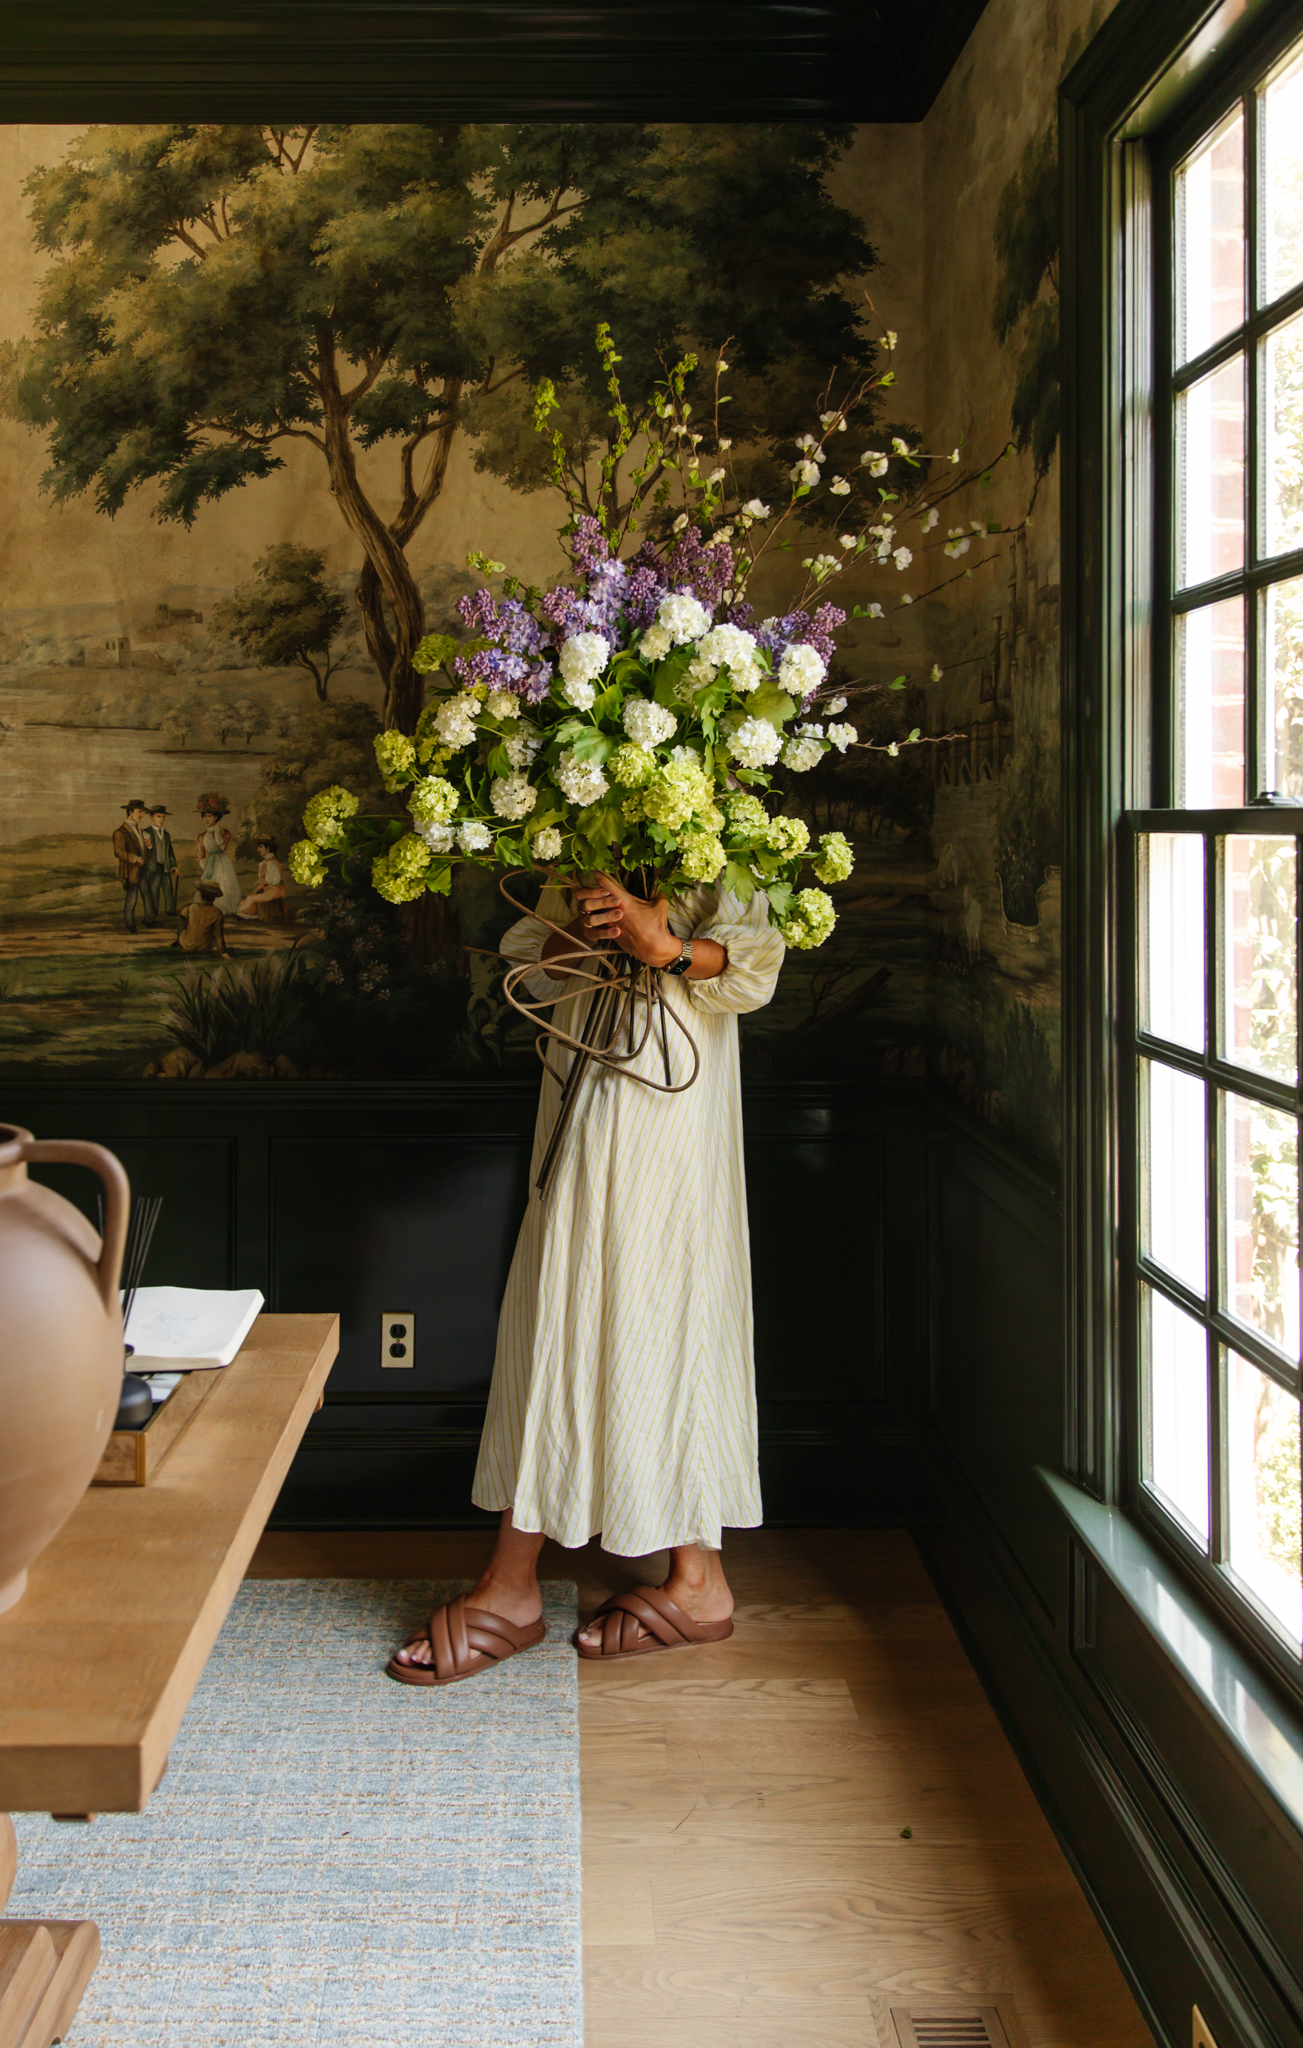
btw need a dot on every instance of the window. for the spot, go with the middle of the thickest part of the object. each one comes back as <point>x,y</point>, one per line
<point>1210,1041</point>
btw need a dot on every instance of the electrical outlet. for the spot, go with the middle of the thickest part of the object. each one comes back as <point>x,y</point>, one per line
<point>397,1337</point>
<point>1201,2032</point>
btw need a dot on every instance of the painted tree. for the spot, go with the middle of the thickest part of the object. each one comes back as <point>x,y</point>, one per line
<point>1027,284</point>
<point>217,292</point>
<point>286,616</point>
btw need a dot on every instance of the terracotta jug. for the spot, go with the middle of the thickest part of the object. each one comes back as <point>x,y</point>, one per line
<point>60,1344</point>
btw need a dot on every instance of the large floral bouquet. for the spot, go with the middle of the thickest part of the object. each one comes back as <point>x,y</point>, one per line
<point>631,718</point>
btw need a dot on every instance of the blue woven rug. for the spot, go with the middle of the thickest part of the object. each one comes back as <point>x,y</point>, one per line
<point>332,1858</point>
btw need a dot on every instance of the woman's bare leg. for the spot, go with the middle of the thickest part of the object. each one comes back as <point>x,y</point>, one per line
<point>508,1587</point>
<point>696,1584</point>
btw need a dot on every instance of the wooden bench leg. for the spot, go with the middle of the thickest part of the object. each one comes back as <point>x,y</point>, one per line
<point>45,1965</point>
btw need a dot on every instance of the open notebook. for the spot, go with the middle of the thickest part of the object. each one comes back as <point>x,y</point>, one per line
<point>187,1328</point>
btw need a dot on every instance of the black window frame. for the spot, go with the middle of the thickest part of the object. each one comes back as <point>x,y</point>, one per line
<point>1148,88</point>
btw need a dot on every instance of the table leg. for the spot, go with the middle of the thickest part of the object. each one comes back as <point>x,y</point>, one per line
<point>45,1965</point>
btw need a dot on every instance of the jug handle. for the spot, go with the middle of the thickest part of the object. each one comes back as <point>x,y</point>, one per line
<point>117,1199</point>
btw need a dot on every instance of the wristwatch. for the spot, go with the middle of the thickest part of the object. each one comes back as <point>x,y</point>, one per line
<point>684,961</point>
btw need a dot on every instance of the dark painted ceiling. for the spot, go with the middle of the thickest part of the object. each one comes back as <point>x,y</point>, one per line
<point>687,60</point>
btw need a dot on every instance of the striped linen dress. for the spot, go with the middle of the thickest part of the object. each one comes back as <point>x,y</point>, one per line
<point>623,1400</point>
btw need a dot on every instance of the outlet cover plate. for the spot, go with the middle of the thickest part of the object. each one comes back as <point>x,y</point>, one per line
<point>397,1337</point>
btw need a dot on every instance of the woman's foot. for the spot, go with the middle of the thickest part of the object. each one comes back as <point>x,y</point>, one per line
<point>508,1588</point>
<point>696,1584</point>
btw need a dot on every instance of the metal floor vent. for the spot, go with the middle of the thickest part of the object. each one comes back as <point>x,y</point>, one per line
<point>963,2026</point>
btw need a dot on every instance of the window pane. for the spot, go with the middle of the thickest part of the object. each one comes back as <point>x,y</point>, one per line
<point>1283,684</point>
<point>1262,1457</point>
<point>1259,964</point>
<point>1260,1169</point>
<point>1176,1409</point>
<point>1210,706</point>
<point>1283,467</point>
<point>1210,241</point>
<point>1171,944</point>
<point>1174,1207</point>
<point>1210,455</point>
<point>1282,177</point>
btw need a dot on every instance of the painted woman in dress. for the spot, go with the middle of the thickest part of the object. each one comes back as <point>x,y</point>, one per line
<point>623,1401</point>
<point>213,848</point>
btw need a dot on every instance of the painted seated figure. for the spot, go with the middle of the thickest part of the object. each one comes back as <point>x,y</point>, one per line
<point>205,927</point>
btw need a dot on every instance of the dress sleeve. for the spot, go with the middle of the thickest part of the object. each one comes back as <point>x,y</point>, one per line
<point>525,940</point>
<point>755,952</point>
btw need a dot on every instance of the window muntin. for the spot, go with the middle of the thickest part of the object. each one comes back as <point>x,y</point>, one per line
<point>1213,1040</point>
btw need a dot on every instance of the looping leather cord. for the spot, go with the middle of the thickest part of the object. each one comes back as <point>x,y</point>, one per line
<point>619,984</point>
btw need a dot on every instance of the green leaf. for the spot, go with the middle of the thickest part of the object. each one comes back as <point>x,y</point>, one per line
<point>591,745</point>
<point>607,705</point>
<point>499,762</point>
<point>770,702</point>
<point>738,881</point>
<point>671,674</point>
<point>438,877</point>
<point>602,823</point>
<point>780,897</point>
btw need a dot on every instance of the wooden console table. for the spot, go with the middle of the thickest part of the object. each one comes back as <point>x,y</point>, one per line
<point>98,1661</point>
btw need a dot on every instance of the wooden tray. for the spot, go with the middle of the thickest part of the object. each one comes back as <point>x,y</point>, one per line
<point>131,1456</point>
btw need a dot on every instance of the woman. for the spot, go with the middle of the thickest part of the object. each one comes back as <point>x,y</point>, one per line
<point>212,847</point>
<point>267,899</point>
<point>623,1397</point>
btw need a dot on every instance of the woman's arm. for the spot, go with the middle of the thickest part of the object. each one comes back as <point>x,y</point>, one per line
<point>608,911</point>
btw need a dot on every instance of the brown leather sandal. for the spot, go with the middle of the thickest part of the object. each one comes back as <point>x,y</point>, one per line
<point>465,1640</point>
<point>640,1623</point>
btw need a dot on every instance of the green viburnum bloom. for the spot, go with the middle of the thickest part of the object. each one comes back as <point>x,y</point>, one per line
<point>836,860</point>
<point>399,875</point>
<point>787,836</point>
<point>433,800</point>
<point>306,864</point>
<point>701,856</point>
<point>433,652</point>
<point>324,814</point>
<point>634,808</point>
<point>396,756</point>
<point>631,766</point>
<point>429,747</point>
<point>810,920</point>
<point>676,791</point>
<point>747,816</point>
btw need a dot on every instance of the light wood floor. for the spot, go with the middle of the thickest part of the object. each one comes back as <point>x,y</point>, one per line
<point>746,1880</point>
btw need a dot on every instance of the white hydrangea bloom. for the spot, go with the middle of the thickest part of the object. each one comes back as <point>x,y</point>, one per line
<point>841,736</point>
<point>580,782</point>
<point>439,838</point>
<point>756,743</point>
<point>580,695</point>
<point>733,648</point>
<point>547,843</point>
<point>513,796</point>
<point>473,837</point>
<point>503,704</point>
<point>802,754</point>
<point>455,721</point>
<point>801,669</point>
<point>655,643</point>
<point>646,722</point>
<point>682,617</point>
<point>583,657</point>
<point>522,746</point>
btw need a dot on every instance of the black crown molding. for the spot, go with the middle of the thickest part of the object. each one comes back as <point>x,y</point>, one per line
<point>288,60</point>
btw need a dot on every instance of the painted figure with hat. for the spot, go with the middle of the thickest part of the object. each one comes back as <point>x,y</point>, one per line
<point>133,847</point>
<point>164,854</point>
<point>205,927</point>
<point>213,848</point>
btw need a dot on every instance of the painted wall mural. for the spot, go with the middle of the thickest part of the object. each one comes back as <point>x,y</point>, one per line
<point>207,615</point>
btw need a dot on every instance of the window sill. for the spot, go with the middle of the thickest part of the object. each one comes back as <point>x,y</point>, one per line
<point>1254,1720</point>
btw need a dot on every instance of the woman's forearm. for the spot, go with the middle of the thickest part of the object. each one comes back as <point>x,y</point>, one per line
<point>567,942</point>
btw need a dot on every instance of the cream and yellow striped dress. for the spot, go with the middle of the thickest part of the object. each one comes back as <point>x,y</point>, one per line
<point>623,1400</point>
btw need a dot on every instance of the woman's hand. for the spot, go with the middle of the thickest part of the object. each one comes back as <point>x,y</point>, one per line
<point>608,911</point>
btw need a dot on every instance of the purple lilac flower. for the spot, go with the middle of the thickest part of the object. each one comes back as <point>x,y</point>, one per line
<point>707,572</point>
<point>823,627</point>
<point>537,684</point>
<point>493,666</point>
<point>588,544</point>
<point>562,609</point>
<point>646,586</point>
<point>478,613</point>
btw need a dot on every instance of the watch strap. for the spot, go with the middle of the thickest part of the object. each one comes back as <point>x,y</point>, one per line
<point>684,961</point>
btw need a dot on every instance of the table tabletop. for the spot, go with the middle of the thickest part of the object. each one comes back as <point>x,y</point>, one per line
<point>99,1659</point>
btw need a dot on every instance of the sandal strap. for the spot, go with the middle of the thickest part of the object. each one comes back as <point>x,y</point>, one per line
<point>459,1633</point>
<point>648,1611</point>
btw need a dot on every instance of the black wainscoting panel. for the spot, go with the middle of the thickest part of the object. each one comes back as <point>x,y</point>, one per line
<point>816,1262</point>
<point>417,1224</point>
<point>996,1394</point>
<point>194,1240</point>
